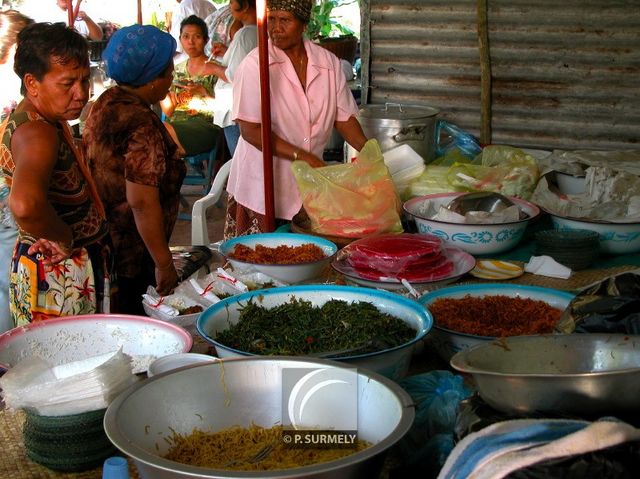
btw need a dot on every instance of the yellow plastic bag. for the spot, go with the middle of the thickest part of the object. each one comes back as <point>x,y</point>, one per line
<point>351,200</point>
<point>504,169</point>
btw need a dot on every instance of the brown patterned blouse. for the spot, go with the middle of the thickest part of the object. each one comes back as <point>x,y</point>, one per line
<point>125,140</point>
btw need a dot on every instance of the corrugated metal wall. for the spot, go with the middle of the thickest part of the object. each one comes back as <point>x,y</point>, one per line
<point>565,74</point>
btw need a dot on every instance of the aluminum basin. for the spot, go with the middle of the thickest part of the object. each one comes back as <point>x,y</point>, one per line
<point>568,373</point>
<point>241,392</point>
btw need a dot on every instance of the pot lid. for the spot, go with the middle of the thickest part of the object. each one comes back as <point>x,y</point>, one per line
<point>398,111</point>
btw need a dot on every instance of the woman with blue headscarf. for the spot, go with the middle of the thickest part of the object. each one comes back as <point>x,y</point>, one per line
<point>135,163</point>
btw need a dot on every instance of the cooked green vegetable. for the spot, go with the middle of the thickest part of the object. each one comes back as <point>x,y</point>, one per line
<point>299,328</point>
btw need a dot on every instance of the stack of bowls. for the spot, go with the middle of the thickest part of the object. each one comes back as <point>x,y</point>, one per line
<point>576,249</point>
<point>67,443</point>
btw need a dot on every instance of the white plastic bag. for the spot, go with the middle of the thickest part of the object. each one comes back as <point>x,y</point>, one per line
<point>72,388</point>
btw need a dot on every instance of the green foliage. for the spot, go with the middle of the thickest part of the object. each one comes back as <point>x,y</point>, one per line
<point>322,24</point>
<point>160,24</point>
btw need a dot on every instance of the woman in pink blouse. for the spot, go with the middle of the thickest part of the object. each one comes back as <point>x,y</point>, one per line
<point>309,97</point>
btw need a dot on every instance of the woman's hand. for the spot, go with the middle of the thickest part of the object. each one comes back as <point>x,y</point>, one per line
<point>52,251</point>
<point>218,49</point>
<point>310,158</point>
<point>195,89</point>
<point>144,201</point>
<point>252,133</point>
<point>166,279</point>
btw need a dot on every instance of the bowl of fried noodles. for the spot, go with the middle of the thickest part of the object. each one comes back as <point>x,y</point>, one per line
<point>260,417</point>
<point>467,315</point>
<point>287,257</point>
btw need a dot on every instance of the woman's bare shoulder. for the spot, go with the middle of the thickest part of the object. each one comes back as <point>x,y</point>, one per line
<point>33,138</point>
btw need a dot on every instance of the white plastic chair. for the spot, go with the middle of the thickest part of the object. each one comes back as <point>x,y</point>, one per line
<point>199,231</point>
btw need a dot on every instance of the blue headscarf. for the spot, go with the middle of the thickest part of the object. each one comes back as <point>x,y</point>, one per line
<point>137,54</point>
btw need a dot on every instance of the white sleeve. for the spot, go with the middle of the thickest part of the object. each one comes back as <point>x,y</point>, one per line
<point>243,42</point>
<point>176,19</point>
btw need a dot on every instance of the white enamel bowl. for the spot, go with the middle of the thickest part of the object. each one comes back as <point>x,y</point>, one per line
<point>72,338</point>
<point>615,238</point>
<point>288,273</point>
<point>477,239</point>
<point>177,360</point>
<point>392,363</point>
<point>569,184</point>
<point>447,342</point>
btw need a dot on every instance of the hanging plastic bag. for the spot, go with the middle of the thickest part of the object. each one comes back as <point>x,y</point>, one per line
<point>351,200</point>
<point>454,144</point>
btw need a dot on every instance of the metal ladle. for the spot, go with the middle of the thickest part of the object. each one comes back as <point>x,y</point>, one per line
<point>481,201</point>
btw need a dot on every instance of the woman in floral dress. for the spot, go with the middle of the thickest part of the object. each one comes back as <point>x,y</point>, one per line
<point>60,263</point>
<point>189,104</point>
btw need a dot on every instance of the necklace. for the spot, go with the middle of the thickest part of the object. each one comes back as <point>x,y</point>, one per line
<point>301,70</point>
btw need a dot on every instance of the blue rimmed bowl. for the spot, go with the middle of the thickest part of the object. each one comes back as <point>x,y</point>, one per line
<point>477,239</point>
<point>615,238</point>
<point>287,273</point>
<point>392,362</point>
<point>447,342</point>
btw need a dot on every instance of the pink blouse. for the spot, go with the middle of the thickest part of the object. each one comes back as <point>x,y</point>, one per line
<point>303,118</point>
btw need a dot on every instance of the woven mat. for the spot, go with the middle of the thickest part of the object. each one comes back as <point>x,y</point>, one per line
<point>14,463</point>
<point>578,280</point>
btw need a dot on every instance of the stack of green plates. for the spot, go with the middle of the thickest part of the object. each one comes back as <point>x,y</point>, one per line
<point>67,443</point>
<point>576,249</point>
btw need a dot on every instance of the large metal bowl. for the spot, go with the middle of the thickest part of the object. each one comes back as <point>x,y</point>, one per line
<point>570,373</point>
<point>239,392</point>
<point>392,363</point>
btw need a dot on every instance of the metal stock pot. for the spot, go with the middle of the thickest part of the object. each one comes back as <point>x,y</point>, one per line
<point>394,124</point>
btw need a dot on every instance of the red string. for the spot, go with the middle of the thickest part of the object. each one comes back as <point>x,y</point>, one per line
<point>226,278</point>
<point>160,301</point>
<point>208,288</point>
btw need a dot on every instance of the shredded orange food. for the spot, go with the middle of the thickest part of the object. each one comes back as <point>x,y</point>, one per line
<point>234,447</point>
<point>495,315</point>
<point>282,254</point>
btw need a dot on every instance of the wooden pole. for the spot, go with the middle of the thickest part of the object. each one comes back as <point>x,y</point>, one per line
<point>485,72</point>
<point>76,10</point>
<point>140,12</point>
<point>265,107</point>
<point>70,17</point>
